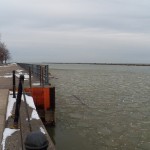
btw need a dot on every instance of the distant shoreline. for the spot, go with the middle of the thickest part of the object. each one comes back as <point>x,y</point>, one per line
<point>119,64</point>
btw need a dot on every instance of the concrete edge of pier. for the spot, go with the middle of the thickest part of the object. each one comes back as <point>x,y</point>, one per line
<point>3,108</point>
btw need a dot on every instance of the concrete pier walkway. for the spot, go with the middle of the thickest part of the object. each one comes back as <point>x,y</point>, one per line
<point>17,139</point>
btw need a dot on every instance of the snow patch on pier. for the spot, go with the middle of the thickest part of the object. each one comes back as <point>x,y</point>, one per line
<point>10,105</point>
<point>29,101</point>
<point>20,72</point>
<point>7,132</point>
<point>42,130</point>
<point>34,115</point>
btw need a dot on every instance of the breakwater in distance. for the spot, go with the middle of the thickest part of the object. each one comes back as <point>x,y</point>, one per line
<point>122,64</point>
<point>101,106</point>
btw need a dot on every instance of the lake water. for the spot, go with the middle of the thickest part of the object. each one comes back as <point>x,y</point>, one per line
<point>101,107</point>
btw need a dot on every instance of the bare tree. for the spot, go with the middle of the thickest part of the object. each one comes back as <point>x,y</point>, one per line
<point>7,55</point>
<point>4,53</point>
<point>2,47</point>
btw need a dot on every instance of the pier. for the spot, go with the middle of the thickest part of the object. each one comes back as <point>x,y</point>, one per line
<point>29,120</point>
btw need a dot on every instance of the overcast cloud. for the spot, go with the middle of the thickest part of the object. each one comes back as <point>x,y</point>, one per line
<point>111,31</point>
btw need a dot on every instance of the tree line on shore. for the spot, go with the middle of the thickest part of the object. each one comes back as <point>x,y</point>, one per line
<point>4,53</point>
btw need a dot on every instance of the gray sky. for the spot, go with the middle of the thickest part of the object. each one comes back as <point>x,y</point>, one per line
<point>111,31</point>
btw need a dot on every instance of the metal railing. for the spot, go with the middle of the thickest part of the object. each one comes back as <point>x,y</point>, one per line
<point>40,71</point>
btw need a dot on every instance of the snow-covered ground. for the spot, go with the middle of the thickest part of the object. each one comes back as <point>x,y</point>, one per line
<point>17,74</point>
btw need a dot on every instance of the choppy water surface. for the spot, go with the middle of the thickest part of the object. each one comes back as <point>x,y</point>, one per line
<point>101,107</point>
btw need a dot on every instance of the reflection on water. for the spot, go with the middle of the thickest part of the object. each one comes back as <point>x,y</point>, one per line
<point>101,107</point>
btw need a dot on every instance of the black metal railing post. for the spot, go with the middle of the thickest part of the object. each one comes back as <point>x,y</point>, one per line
<point>14,84</point>
<point>46,75</point>
<point>18,100</point>
<point>30,82</point>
